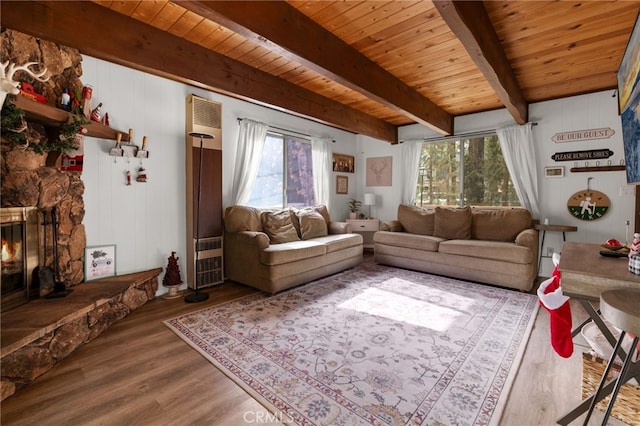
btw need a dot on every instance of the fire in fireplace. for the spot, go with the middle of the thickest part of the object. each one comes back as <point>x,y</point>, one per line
<point>20,246</point>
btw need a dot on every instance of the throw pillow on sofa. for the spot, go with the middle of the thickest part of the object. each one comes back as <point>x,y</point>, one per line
<point>278,226</point>
<point>499,224</point>
<point>242,218</point>
<point>296,212</point>
<point>312,225</point>
<point>416,220</point>
<point>452,223</point>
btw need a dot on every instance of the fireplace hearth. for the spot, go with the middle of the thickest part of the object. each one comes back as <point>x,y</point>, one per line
<point>20,247</point>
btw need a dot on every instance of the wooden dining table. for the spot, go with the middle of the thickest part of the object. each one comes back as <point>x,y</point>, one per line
<point>585,275</point>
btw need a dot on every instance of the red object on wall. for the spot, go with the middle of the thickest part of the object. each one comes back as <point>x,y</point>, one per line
<point>28,92</point>
<point>71,163</point>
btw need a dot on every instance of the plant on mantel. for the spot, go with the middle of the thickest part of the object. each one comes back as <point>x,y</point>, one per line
<point>66,141</point>
<point>13,123</point>
<point>14,129</point>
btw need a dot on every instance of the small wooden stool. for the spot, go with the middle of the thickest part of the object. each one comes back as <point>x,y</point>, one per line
<point>622,309</point>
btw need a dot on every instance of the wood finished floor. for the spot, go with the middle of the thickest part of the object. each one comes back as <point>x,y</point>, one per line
<point>140,373</point>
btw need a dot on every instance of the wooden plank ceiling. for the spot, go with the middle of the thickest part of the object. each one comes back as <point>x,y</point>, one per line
<point>362,66</point>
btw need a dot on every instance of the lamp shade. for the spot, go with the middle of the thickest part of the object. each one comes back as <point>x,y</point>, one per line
<point>202,135</point>
<point>369,199</point>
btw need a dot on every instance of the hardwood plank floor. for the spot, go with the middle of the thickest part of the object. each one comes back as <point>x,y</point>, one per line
<point>140,373</point>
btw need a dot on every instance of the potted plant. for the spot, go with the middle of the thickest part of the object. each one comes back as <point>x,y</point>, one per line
<point>60,140</point>
<point>172,278</point>
<point>354,207</point>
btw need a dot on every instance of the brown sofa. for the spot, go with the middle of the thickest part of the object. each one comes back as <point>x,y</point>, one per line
<point>276,250</point>
<point>488,245</point>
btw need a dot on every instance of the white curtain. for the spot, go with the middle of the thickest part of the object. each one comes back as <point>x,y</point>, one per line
<point>249,153</point>
<point>411,150</point>
<point>517,147</point>
<point>321,159</point>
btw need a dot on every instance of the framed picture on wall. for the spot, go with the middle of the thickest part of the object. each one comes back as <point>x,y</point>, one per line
<point>342,184</point>
<point>344,163</point>
<point>554,172</point>
<point>379,171</point>
<point>629,103</point>
<point>99,262</point>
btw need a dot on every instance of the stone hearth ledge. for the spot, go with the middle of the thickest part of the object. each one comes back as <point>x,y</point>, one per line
<point>37,335</point>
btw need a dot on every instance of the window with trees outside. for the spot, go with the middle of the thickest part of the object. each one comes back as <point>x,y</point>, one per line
<point>285,176</point>
<point>464,172</point>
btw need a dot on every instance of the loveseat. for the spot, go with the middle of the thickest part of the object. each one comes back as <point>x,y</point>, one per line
<point>275,250</point>
<point>489,245</point>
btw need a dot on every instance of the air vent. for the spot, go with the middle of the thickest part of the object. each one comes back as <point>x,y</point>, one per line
<point>209,266</point>
<point>203,116</point>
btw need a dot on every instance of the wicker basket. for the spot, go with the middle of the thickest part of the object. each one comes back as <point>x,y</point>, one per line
<point>627,405</point>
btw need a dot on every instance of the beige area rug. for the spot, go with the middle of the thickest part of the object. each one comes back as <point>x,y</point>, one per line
<point>371,345</point>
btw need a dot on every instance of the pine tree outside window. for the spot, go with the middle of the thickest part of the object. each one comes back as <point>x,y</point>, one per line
<point>464,172</point>
<point>285,175</point>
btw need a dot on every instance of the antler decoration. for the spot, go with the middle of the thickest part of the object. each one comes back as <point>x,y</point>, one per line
<point>7,85</point>
<point>377,168</point>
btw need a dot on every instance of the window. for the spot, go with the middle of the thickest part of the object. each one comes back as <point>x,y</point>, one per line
<point>285,176</point>
<point>464,172</point>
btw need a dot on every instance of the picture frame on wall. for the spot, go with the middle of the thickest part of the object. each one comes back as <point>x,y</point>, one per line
<point>99,262</point>
<point>629,103</point>
<point>554,172</point>
<point>379,171</point>
<point>342,184</point>
<point>344,163</point>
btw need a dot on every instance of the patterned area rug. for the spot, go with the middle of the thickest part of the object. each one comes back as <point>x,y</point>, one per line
<point>372,345</point>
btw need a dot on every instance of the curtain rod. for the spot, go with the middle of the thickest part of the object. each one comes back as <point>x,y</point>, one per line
<point>291,131</point>
<point>461,135</point>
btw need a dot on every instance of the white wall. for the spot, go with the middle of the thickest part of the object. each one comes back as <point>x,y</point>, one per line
<point>578,113</point>
<point>147,220</point>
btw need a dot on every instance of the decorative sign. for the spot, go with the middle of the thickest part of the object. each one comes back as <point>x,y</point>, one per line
<point>99,262</point>
<point>588,204</point>
<point>594,154</point>
<point>379,171</point>
<point>583,135</point>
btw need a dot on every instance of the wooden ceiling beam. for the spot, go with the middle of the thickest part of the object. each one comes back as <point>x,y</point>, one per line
<point>470,23</point>
<point>102,33</point>
<point>282,28</point>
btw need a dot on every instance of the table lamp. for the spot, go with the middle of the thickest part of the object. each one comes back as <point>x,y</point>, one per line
<point>369,200</point>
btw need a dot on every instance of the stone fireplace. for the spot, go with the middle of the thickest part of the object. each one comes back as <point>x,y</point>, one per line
<point>28,186</point>
<point>32,182</point>
<point>38,334</point>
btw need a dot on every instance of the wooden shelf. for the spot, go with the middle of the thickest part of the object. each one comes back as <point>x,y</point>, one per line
<point>51,116</point>
<point>598,169</point>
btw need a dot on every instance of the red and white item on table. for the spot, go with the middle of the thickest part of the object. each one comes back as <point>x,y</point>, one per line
<point>557,304</point>
<point>634,255</point>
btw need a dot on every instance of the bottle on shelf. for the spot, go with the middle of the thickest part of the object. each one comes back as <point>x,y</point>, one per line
<point>95,114</point>
<point>87,94</point>
<point>65,100</point>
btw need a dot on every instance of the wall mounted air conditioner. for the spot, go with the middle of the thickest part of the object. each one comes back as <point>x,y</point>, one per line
<point>204,212</point>
<point>204,116</point>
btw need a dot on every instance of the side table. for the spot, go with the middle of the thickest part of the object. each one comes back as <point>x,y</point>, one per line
<point>366,227</point>
<point>552,228</point>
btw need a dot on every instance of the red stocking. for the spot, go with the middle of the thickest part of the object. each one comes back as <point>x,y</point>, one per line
<point>557,304</point>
